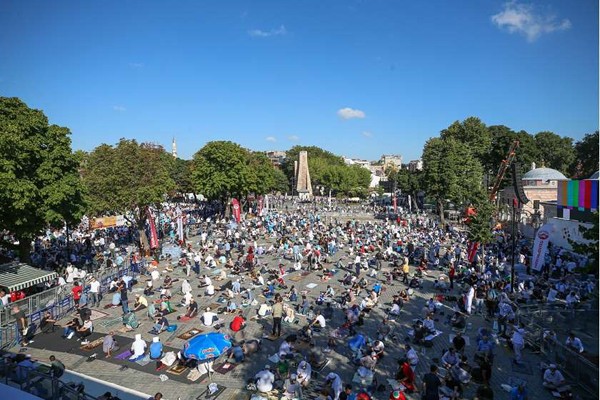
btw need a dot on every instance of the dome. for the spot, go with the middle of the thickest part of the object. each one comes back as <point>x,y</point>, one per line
<point>595,176</point>
<point>544,174</point>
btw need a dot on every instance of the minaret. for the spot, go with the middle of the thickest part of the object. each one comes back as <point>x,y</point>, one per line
<point>174,148</point>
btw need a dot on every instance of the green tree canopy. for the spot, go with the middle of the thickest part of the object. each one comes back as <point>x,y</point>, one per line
<point>451,173</point>
<point>180,171</point>
<point>126,179</point>
<point>39,177</point>
<point>555,151</point>
<point>471,133</point>
<point>587,156</point>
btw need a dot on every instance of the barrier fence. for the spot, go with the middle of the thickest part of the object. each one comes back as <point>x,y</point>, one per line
<point>579,369</point>
<point>58,300</point>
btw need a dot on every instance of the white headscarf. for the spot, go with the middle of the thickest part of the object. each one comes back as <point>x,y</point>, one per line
<point>138,347</point>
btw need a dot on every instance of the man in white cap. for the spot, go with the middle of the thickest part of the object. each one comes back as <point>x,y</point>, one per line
<point>138,348</point>
<point>208,317</point>
<point>264,380</point>
<point>335,382</point>
<point>303,373</point>
<point>553,379</point>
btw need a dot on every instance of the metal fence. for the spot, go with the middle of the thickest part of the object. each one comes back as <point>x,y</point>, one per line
<point>40,382</point>
<point>581,372</point>
<point>58,300</point>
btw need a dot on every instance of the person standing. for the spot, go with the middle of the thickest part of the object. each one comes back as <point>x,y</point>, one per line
<point>57,368</point>
<point>94,292</point>
<point>277,315</point>
<point>76,290</point>
<point>518,342</point>
<point>431,384</point>
<point>124,299</point>
<point>405,271</point>
<point>22,325</point>
<point>451,274</point>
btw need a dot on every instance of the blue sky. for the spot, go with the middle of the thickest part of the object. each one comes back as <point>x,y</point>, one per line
<point>359,78</point>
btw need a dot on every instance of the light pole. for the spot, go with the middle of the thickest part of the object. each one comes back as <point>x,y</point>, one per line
<point>514,245</point>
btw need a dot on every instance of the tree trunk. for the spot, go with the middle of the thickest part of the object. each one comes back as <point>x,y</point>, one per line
<point>25,249</point>
<point>440,205</point>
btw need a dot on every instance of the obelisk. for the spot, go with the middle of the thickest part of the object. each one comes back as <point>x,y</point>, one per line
<point>303,185</point>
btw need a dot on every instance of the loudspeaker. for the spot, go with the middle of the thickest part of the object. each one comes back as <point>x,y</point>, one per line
<point>518,183</point>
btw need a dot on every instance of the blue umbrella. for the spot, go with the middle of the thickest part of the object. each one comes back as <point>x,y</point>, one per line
<point>206,346</point>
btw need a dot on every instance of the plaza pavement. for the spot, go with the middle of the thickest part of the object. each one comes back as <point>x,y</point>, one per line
<point>235,381</point>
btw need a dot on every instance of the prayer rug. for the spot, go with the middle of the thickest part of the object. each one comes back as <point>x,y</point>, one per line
<point>207,396</point>
<point>295,278</point>
<point>92,345</point>
<point>125,355</point>
<point>190,334</point>
<point>214,306</point>
<point>523,368</point>
<point>225,368</point>
<point>311,285</point>
<point>97,315</point>
<point>144,361</point>
<point>177,369</point>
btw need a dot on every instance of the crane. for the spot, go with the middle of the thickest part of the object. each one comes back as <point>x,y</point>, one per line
<point>510,157</point>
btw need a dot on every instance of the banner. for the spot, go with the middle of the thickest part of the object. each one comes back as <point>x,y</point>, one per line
<point>260,206</point>
<point>395,203</point>
<point>266,203</point>
<point>409,204</point>
<point>237,213</point>
<point>472,251</point>
<point>153,233</point>
<point>540,247</point>
<point>107,222</point>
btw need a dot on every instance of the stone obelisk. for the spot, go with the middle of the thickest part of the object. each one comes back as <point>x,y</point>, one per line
<point>303,185</point>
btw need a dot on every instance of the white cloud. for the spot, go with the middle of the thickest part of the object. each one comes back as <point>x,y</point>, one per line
<point>367,134</point>
<point>293,138</point>
<point>119,108</point>
<point>270,139</point>
<point>350,113</point>
<point>263,34</point>
<point>136,65</point>
<point>527,21</point>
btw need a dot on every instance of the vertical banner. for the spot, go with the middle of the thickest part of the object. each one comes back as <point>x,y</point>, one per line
<point>179,215</point>
<point>260,206</point>
<point>153,233</point>
<point>472,251</point>
<point>540,248</point>
<point>409,204</point>
<point>237,213</point>
<point>394,202</point>
<point>266,203</point>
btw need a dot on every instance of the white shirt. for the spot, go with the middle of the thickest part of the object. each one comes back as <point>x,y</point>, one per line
<point>553,378</point>
<point>321,321</point>
<point>94,287</point>
<point>265,381</point>
<point>285,349</point>
<point>207,281</point>
<point>413,358</point>
<point>5,299</point>
<point>210,290</point>
<point>207,318</point>
<point>576,343</point>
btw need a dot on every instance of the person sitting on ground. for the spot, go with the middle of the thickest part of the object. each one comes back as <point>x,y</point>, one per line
<point>165,294</point>
<point>191,310</point>
<point>384,330</point>
<point>70,328</point>
<point>156,348</point>
<point>149,288</point>
<point>264,380</point>
<point>574,343</point>
<point>84,331</point>
<point>109,344</point>
<point>47,323</point>
<point>411,356</point>
<point>160,325</point>
<point>167,282</point>
<point>420,332</point>
<point>237,352</point>
<point>209,318</point>
<point>429,324</point>
<point>138,348</point>
<point>450,358</point>
<point>404,296</point>
<point>304,373</point>
<point>553,379</point>
<point>369,361</point>
<point>286,349</point>
<point>319,320</point>
<point>140,302</point>
<point>238,322</point>
<point>231,307</point>
<point>406,375</point>
<point>458,342</point>
<point>458,320</point>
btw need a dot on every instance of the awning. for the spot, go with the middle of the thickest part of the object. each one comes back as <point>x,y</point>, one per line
<point>17,276</point>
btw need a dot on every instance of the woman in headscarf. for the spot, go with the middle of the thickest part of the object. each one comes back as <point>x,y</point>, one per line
<point>138,348</point>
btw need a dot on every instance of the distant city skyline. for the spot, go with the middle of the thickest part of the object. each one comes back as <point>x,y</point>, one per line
<point>359,79</point>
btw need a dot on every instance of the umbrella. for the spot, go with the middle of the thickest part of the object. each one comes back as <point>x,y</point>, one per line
<point>207,346</point>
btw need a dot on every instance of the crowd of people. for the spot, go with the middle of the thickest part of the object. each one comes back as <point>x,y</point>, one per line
<point>357,261</point>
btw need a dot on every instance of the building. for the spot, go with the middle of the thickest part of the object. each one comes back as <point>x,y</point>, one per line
<point>391,160</point>
<point>277,157</point>
<point>415,165</point>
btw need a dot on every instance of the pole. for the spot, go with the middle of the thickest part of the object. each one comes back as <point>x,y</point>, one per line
<point>514,245</point>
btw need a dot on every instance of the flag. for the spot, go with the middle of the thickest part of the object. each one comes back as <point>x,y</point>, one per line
<point>472,251</point>
<point>540,248</point>
<point>266,203</point>
<point>237,213</point>
<point>395,204</point>
<point>260,205</point>
<point>153,233</point>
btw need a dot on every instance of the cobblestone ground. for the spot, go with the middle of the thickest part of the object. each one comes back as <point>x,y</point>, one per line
<point>235,381</point>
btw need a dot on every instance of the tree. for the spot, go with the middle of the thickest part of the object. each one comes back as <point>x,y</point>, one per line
<point>126,179</point>
<point>590,249</point>
<point>480,228</point>
<point>556,152</point>
<point>410,182</point>
<point>450,173</point>
<point>471,133</point>
<point>180,171</point>
<point>39,180</point>
<point>587,156</point>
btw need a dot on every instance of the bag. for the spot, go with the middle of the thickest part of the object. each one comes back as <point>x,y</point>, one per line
<point>194,375</point>
<point>171,328</point>
<point>169,359</point>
